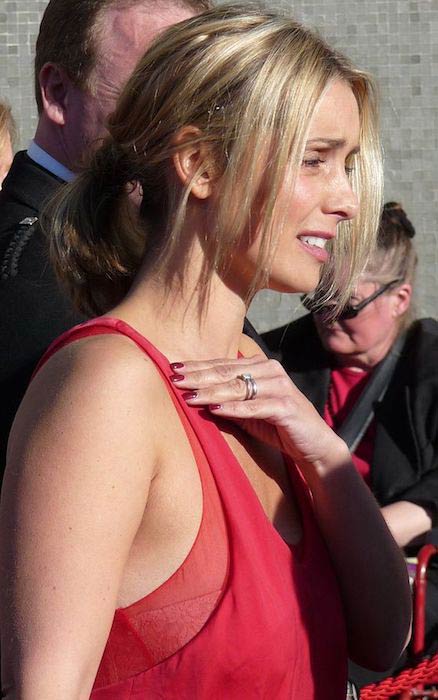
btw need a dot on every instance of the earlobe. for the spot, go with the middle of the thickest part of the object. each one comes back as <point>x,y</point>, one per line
<point>54,85</point>
<point>192,162</point>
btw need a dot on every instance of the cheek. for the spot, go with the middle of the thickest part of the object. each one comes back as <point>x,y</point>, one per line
<point>301,201</point>
<point>295,204</point>
<point>366,332</point>
<point>93,121</point>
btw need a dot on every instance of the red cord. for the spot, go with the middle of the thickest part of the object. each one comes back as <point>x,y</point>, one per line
<point>425,672</point>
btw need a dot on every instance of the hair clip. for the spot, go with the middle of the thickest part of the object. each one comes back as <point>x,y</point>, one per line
<point>216,108</point>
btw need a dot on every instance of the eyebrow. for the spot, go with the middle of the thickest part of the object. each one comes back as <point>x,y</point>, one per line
<point>332,143</point>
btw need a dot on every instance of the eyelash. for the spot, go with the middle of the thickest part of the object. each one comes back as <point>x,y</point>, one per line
<point>314,162</point>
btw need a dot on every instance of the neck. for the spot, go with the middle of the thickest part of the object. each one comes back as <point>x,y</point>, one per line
<point>177,322</point>
<point>48,137</point>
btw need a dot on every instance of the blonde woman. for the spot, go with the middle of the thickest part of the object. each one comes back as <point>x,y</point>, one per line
<point>7,137</point>
<point>174,525</point>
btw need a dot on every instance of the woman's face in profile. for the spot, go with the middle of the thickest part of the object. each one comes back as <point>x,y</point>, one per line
<point>306,215</point>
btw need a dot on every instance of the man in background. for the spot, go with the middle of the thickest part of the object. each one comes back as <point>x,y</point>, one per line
<point>85,52</point>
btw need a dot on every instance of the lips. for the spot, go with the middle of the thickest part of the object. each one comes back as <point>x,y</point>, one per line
<point>314,243</point>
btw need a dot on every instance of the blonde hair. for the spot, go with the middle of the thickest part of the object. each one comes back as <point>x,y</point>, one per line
<point>249,81</point>
<point>7,125</point>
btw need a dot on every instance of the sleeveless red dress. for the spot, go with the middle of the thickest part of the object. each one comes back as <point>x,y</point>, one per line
<point>246,616</point>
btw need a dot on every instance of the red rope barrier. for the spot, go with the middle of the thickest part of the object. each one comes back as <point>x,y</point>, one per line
<point>425,672</point>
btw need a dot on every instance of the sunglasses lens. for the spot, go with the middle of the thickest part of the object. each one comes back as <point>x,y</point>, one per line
<point>347,313</point>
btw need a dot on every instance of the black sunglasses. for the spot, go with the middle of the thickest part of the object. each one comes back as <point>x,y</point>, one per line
<point>349,311</point>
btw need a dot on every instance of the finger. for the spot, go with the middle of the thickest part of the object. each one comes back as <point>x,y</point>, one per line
<point>236,390</point>
<point>196,378</point>
<point>272,410</point>
<point>194,365</point>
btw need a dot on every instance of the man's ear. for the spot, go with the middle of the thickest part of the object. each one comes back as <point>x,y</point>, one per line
<point>54,85</point>
<point>193,162</point>
<point>403,295</point>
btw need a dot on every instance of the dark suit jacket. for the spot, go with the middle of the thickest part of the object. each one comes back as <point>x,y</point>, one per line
<point>405,459</point>
<point>33,309</point>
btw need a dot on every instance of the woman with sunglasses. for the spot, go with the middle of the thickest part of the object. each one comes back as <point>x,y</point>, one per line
<point>394,444</point>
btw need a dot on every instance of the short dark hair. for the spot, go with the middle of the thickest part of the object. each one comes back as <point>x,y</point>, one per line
<point>67,35</point>
<point>395,255</point>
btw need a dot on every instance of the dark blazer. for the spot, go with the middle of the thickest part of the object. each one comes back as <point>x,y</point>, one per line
<point>405,459</point>
<point>33,309</point>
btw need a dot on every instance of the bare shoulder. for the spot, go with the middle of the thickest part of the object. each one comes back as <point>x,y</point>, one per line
<point>100,359</point>
<point>90,395</point>
<point>248,347</point>
<point>107,368</point>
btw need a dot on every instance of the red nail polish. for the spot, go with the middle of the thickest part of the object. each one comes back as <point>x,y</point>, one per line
<point>177,378</point>
<point>177,365</point>
<point>215,406</point>
<point>188,395</point>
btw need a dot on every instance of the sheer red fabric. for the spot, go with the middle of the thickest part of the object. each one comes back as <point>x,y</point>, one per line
<point>245,616</point>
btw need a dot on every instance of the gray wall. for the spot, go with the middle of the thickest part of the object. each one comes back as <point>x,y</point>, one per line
<point>397,40</point>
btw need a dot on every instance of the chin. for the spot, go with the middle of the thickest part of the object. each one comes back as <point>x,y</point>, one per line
<point>296,284</point>
<point>338,346</point>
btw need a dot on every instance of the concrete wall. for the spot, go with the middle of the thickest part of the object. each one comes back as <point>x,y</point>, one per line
<point>397,40</point>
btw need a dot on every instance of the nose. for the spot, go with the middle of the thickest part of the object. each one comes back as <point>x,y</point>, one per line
<point>341,201</point>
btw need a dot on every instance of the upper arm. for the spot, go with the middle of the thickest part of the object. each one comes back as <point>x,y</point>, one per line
<point>80,461</point>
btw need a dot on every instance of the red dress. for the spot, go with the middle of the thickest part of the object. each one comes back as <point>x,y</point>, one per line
<point>246,616</point>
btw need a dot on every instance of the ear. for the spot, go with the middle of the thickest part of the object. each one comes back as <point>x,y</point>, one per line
<point>193,162</point>
<point>402,297</point>
<point>54,85</point>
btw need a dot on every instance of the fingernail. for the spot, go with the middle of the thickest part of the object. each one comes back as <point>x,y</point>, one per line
<point>177,378</point>
<point>176,365</point>
<point>215,406</point>
<point>188,395</point>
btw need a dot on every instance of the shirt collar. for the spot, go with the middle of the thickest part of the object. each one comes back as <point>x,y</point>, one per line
<point>41,157</point>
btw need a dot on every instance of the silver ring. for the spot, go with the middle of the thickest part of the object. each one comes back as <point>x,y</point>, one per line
<point>251,386</point>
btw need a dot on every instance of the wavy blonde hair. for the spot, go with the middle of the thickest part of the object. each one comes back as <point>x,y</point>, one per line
<point>249,81</point>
